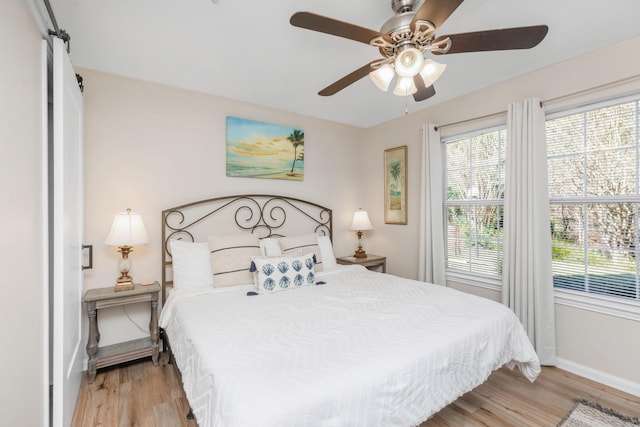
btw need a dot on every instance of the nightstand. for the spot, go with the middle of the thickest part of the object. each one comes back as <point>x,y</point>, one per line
<point>372,262</point>
<point>100,357</point>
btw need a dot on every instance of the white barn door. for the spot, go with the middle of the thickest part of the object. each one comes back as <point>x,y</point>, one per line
<point>67,236</point>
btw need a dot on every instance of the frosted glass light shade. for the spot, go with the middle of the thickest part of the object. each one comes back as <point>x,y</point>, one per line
<point>361,221</point>
<point>431,71</point>
<point>382,77</point>
<point>409,62</point>
<point>405,87</point>
<point>127,230</point>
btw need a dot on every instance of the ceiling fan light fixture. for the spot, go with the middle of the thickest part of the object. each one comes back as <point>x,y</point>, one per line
<point>382,77</point>
<point>409,62</point>
<point>431,71</point>
<point>405,87</point>
<point>407,36</point>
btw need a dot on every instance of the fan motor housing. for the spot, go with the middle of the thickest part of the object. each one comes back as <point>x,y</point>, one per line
<point>398,23</point>
<point>400,6</point>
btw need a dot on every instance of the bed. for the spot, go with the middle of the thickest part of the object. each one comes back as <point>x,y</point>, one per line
<point>351,347</point>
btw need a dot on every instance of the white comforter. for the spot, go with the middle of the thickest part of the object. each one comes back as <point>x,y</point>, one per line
<point>365,349</point>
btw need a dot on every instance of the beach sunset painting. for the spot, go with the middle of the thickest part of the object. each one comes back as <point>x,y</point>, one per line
<point>263,150</point>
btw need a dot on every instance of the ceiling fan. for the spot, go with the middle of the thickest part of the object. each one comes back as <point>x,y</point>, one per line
<point>406,37</point>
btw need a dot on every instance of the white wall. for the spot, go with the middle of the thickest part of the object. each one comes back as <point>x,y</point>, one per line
<point>23,381</point>
<point>608,347</point>
<point>151,147</point>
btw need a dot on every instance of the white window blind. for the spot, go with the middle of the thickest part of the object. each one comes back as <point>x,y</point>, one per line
<point>594,190</point>
<point>473,202</point>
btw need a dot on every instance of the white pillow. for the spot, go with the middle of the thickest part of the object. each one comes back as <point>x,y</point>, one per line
<point>231,258</point>
<point>276,274</point>
<point>302,244</point>
<point>326,251</point>
<point>270,246</point>
<point>191,264</point>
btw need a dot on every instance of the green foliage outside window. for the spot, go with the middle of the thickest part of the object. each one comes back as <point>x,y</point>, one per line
<point>593,160</point>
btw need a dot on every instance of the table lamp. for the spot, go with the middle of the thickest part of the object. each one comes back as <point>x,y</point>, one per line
<point>360,223</point>
<point>127,231</point>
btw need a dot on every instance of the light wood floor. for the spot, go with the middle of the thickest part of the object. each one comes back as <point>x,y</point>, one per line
<point>142,395</point>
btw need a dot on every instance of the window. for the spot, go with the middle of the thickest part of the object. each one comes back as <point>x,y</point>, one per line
<point>594,190</point>
<point>473,202</point>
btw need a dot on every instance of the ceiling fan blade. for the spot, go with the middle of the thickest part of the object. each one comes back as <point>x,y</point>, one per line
<point>323,24</point>
<point>347,80</point>
<point>436,11</point>
<point>504,39</point>
<point>423,92</point>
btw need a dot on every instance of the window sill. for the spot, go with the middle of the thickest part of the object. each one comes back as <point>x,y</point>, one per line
<point>600,304</point>
<point>491,283</point>
<point>629,310</point>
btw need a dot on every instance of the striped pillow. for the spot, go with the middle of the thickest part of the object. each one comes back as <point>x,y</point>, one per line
<point>231,259</point>
<point>299,245</point>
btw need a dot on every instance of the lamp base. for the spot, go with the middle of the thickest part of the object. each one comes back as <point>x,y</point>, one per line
<point>360,253</point>
<point>123,287</point>
<point>124,284</point>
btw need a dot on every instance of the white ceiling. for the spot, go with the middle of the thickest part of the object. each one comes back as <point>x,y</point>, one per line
<point>247,50</point>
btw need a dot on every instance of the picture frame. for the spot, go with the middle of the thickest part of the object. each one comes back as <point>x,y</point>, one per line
<point>264,150</point>
<point>395,185</point>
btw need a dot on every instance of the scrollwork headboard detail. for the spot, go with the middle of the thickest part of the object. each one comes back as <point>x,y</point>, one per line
<point>261,214</point>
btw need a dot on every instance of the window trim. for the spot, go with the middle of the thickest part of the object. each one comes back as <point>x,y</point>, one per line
<point>468,277</point>
<point>591,106</point>
<point>474,279</point>
<point>618,307</point>
<point>611,306</point>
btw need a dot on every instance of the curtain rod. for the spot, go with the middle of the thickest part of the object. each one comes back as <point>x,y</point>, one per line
<point>486,116</point>
<point>609,85</point>
<point>549,101</point>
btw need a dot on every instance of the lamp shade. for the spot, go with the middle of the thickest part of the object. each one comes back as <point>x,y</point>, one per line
<point>431,71</point>
<point>405,87</point>
<point>361,221</point>
<point>409,62</point>
<point>382,77</point>
<point>127,230</point>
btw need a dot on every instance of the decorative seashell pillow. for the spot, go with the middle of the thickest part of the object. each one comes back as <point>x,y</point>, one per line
<point>275,274</point>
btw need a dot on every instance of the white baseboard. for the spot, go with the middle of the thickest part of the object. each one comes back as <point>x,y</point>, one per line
<point>599,376</point>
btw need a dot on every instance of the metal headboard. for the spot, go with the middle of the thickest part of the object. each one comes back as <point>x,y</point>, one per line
<point>261,214</point>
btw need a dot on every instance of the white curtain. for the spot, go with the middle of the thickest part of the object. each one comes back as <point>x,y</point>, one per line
<point>431,251</point>
<point>527,280</point>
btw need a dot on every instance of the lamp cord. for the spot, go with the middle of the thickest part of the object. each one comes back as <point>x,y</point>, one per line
<point>126,313</point>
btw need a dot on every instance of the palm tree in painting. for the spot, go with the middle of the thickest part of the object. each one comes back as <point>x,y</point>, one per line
<point>395,199</point>
<point>296,138</point>
<point>395,172</point>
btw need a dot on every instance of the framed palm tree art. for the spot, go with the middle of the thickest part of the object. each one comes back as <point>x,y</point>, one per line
<point>395,185</point>
<point>264,150</point>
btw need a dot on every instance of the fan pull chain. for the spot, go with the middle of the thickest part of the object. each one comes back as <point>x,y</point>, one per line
<point>406,105</point>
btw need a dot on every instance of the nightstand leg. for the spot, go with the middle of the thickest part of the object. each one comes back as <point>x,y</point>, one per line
<point>153,328</point>
<point>92,344</point>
